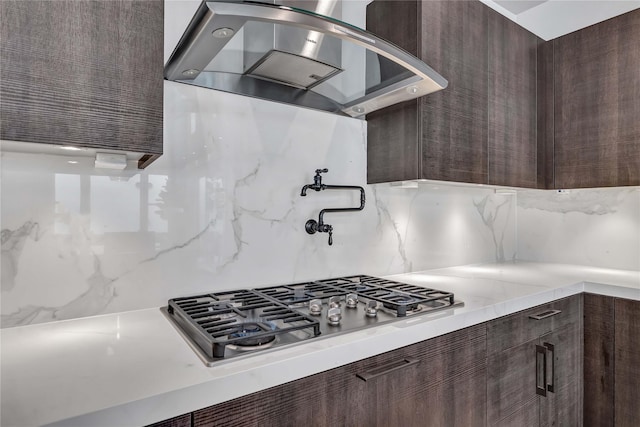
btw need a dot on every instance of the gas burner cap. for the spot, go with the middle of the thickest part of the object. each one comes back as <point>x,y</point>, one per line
<point>227,315</point>
<point>401,302</point>
<point>239,346</point>
<point>249,334</point>
<point>226,305</point>
<point>414,307</point>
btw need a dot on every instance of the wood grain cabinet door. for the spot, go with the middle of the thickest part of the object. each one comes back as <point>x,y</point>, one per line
<point>442,136</point>
<point>482,127</point>
<point>562,405</point>
<point>511,387</point>
<point>438,382</point>
<point>611,355</point>
<point>516,374</point>
<point>453,122</point>
<point>597,104</point>
<point>627,363</point>
<point>598,370</point>
<point>84,73</point>
<point>534,366</point>
<point>511,103</point>
<point>329,398</point>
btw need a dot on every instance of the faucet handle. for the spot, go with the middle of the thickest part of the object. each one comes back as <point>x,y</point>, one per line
<point>330,237</point>
<point>317,179</point>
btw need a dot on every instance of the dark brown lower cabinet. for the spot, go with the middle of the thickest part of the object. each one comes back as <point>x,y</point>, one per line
<point>598,360</point>
<point>181,421</point>
<point>627,363</point>
<point>562,403</point>
<point>444,386</point>
<point>511,398</point>
<point>534,366</point>
<point>517,373</point>
<point>531,368</point>
<point>438,382</point>
<point>612,357</point>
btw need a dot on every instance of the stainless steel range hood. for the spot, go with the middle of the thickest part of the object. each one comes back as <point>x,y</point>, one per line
<point>293,53</point>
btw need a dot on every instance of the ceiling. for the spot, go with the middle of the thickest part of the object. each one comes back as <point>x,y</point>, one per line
<point>517,7</point>
<point>549,19</point>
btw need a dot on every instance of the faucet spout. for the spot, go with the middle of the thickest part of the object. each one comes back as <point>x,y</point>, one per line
<point>317,182</point>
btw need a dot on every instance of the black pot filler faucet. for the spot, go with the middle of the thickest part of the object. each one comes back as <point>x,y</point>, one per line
<point>312,226</point>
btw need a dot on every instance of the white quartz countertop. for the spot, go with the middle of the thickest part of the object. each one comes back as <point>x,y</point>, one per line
<point>133,368</point>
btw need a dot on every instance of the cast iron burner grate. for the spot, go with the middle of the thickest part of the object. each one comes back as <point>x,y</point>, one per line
<point>226,324</point>
<point>401,298</point>
<point>241,318</point>
<point>300,294</point>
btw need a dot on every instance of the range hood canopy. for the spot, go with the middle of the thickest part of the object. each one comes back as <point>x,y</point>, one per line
<point>297,56</point>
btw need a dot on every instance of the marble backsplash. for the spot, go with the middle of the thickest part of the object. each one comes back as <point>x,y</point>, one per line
<point>222,209</point>
<point>595,227</point>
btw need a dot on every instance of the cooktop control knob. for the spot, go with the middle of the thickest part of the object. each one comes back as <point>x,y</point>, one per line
<point>334,302</point>
<point>371,310</point>
<point>352,300</point>
<point>334,315</point>
<point>315,307</point>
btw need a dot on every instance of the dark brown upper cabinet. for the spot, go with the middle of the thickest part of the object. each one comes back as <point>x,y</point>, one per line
<point>482,127</point>
<point>596,105</point>
<point>512,103</point>
<point>83,73</point>
<point>518,111</point>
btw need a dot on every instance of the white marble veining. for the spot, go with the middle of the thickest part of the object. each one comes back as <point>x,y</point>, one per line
<point>139,370</point>
<point>222,209</point>
<point>593,227</point>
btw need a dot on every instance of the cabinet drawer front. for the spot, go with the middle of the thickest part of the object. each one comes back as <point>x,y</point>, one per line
<point>518,328</point>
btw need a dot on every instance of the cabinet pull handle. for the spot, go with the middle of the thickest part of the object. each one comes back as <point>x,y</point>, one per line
<point>386,369</point>
<point>542,391</point>
<point>552,350</point>
<point>544,314</point>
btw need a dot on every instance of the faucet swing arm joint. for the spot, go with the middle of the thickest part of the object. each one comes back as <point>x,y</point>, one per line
<point>312,226</point>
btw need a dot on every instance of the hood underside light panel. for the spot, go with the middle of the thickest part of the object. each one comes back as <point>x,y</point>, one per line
<point>297,57</point>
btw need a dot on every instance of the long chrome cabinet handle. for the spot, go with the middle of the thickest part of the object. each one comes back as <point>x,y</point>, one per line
<point>367,376</point>
<point>542,391</point>
<point>552,350</point>
<point>544,314</point>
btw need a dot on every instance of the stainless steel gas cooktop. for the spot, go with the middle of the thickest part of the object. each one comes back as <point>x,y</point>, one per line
<point>224,325</point>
